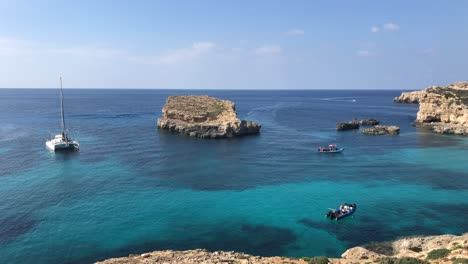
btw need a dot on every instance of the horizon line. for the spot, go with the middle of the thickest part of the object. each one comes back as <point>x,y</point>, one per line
<point>217,89</point>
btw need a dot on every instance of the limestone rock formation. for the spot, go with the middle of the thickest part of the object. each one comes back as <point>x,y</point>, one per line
<point>444,109</point>
<point>409,97</point>
<point>412,247</point>
<point>382,130</point>
<point>347,125</point>
<point>204,117</point>
<point>200,256</point>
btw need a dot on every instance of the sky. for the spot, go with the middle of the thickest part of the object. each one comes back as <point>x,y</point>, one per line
<point>233,44</point>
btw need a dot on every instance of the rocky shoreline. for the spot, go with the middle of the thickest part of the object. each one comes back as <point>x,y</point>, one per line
<point>203,116</point>
<point>427,249</point>
<point>442,109</point>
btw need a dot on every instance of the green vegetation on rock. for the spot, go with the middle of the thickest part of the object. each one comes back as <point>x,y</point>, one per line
<point>438,253</point>
<point>405,260</point>
<point>318,260</point>
<point>459,261</point>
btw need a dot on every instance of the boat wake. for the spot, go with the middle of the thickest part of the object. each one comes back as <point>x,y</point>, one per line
<point>340,99</point>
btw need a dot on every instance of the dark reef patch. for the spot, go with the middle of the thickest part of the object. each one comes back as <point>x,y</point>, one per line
<point>13,226</point>
<point>260,240</point>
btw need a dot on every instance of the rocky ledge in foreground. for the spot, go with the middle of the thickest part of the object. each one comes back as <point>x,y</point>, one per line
<point>382,130</point>
<point>430,249</point>
<point>204,117</point>
<point>443,109</point>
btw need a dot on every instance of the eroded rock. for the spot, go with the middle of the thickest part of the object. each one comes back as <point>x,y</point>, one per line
<point>204,117</point>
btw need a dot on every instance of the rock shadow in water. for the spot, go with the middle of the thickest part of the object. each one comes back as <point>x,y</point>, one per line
<point>13,226</point>
<point>263,240</point>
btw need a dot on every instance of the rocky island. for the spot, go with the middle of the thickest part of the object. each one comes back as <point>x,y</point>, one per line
<point>430,249</point>
<point>442,109</point>
<point>382,130</point>
<point>204,117</point>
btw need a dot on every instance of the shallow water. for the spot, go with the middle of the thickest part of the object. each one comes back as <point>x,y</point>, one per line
<point>132,188</point>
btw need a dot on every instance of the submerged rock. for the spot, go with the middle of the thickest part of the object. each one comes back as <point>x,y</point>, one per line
<point>204,117</point>
<point>347,125</point>
<point>382,130</point>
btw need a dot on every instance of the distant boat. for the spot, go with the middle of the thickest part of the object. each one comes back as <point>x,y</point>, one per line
<point>332,148</point>
<point>344,211</point>
<point>62,141</point>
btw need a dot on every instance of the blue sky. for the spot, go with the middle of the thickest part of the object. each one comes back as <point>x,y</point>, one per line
<point>233,44</point>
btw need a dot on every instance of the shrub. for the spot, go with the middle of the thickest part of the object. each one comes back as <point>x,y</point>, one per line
<point>319,260</point>
<point>456,246</point>
<point>305,259</point>
<point>460,261</point>
<point>405,260</point>
<point>438,253</point>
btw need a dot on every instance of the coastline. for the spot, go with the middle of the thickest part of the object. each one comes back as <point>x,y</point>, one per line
<point>424,248</point>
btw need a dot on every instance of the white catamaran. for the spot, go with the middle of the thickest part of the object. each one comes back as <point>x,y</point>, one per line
<point>62,141</point>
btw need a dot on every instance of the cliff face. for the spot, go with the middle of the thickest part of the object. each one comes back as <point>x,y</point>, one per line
<point>205,117</point>
<point>409,97</point>
<point>443,109</point>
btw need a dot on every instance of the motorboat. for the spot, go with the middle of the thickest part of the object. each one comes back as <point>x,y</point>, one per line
<point>345,210</point>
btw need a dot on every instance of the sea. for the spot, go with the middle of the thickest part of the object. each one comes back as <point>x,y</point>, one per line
<point>133,188</point>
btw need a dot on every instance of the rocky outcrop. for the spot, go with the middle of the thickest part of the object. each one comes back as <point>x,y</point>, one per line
<point>200,256</point>
<point>412,247</point>
<point>369,122</point>
<point>347,125</point>
<point>382,130</point>
<point>204,117</point>
<point>409,97</point>
<point>444,109</point>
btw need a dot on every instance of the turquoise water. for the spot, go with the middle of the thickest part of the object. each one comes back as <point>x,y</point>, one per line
<point>132,188</point>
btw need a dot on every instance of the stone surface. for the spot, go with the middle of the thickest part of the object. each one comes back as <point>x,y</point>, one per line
<point>409,97</point>
<point>416,247</point>
<point>204,117</point>
<point>382,130</point>
<point>369,122</point>
<point>342,126</point>
<point>443,109</point>
<point>201,256</point>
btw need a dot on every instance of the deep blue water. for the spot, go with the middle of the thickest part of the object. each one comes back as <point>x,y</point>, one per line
<point>132,188</point>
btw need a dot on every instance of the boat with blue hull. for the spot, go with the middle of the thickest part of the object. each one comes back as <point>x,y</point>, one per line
<point>332,148</point>
<point>343,212</point>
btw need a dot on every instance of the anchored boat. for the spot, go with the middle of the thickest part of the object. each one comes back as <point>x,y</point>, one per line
<point>62,141</point>
<point>332,148</point>
<point>344,211</point>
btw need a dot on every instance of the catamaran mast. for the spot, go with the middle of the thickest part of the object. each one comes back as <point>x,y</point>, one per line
<point>61,106</point>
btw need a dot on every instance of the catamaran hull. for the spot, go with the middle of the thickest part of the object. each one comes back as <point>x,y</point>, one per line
<point>62,146</point>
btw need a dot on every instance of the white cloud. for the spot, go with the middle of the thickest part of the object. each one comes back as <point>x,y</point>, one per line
<point>375,29</point>
<point>363,53</point>
<point>195,51</point>
<point>268,49</point>
<point>391,27</point>
<point>295,32</point>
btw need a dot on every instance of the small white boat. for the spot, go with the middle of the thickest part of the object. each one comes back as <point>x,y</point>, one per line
<point>62,141</point>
